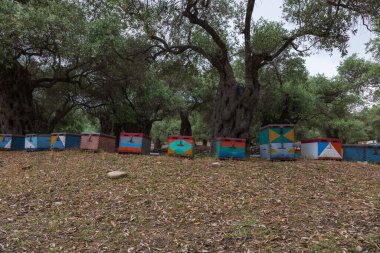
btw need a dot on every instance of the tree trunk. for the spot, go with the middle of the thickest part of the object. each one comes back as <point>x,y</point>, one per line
<point>234,107</point>
<point>157,145</point>
<point>106,126</point>
<point>16,100</point>
<point>332,133</point>
<point>285,116</point>
<point>138,127</point>
<point>185,123</point>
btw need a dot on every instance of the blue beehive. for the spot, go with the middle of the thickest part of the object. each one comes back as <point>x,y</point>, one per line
<point>11,142</point>
<point>37,142</point>
<point>277,142</point>
<point>61,141</point>
<point>230,148</point>
<point>134,143</point>
<point>362,152</point>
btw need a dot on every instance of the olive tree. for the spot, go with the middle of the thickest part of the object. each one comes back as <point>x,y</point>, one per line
<point>219,30</point>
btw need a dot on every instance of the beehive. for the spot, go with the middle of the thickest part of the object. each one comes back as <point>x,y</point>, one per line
<point>97,142</point>
<point>322,149</point>
<point>61,141</point>
<point>181,146</point>
<point>12,142</point>
<point>37,142</point>
<point>362,152</point>
<point>230,148</point>
<point>277,142</point>
<point>134,143</point>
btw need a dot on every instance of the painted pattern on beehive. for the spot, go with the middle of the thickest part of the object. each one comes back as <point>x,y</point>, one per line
<point>181,145</point>
<point>11,142</point>
<point>135,143</point>
<point>64,141</point>
<point>362,152</point>
<point>230,148</point>
<point>277,142</point>
<point>35,142</point>
<point>325,148</point>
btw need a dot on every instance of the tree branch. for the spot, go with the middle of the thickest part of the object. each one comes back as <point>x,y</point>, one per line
<point>247,41</point>
<point>178,49</point>
<point>191,12</point>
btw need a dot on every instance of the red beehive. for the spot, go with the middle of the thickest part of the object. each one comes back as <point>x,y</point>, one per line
<point>97,142</point>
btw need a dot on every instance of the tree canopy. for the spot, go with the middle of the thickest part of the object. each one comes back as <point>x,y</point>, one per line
<point>201,67</point>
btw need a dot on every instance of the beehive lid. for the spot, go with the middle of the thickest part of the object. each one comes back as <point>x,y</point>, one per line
<point>230,139</point>
<point>134,135</point>
<point>11,135</point>
<point>67,134</point>
<point>277,126</point>
<point>181,137</point>
<point>37,135</point>
<point>99,134</point>
<point>374,146</point>
<point>321,140</point>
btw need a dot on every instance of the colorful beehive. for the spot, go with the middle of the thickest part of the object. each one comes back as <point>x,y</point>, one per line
<point>181,145</point>
<point>134,143</point>
<point>37,142</point>
<point>230,148</point>
<point>12,142</point>
<point>277,142</point>
<point>362,152</point>
<point>61,141</point>
<point>322,149</point>
<point>97,142</point>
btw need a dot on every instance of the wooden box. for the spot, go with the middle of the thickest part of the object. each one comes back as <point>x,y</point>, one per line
<point>181,146</point>
<point>322,149</point>
<point>61,141</point>
<point>12,142</point>
<point>97,142</point>
<point>362,153</point>
<point>37,142</point>
<point>134,143</point>
<point>230,148</point>
<point>277,142</point>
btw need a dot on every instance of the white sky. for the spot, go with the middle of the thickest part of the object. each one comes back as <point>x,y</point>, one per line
<point>321,62</point>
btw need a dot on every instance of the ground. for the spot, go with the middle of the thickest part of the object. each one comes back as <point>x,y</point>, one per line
<point>64,202</point>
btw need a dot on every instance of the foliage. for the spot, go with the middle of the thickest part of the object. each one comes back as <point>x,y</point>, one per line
<point>78,121</point>
<point>133,63</point>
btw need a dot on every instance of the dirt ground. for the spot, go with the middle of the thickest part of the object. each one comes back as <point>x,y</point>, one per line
<point>64,202</point>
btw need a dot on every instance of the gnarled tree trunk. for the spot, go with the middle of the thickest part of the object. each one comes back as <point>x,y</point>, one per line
<point>185,123</point>
<point>234,107</point>
<point>16,100</point>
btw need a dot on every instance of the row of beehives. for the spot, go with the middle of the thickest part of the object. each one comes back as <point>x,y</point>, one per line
<point>136,143</point>
<point>277,142</point>
<point>129,142</point>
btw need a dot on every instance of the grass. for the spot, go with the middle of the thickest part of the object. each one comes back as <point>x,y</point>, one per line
<point>65,203</point>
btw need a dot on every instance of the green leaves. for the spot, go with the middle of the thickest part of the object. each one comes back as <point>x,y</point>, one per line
<point>320,25</point>
<point>267,36</point>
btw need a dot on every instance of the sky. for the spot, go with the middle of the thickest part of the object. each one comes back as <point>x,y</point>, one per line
<point>320,62</point>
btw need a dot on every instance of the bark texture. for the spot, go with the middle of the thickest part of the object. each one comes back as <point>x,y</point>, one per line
<point>234,107</point>
<point>16,100</point>
<point>185,123</point>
